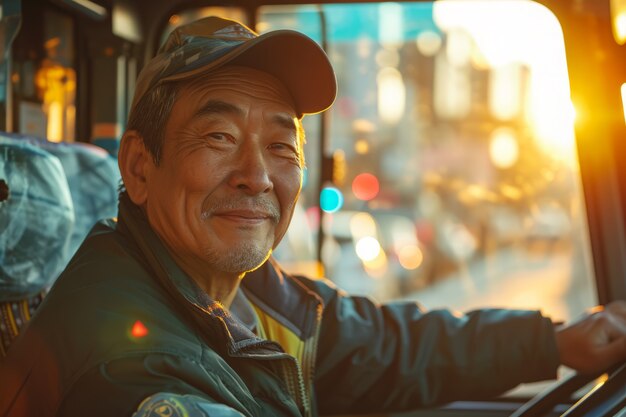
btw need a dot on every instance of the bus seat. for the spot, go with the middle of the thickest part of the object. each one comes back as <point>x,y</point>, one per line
<point>93,178</point>
<point>56,193</point>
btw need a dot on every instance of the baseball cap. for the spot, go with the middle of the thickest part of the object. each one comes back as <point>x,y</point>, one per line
<point>209,43</point>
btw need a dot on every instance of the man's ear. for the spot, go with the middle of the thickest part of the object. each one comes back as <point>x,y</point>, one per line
<point>135,161</point>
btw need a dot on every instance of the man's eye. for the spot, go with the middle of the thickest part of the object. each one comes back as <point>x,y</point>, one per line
<point>218,136</point>
<point>286,150</point>
<point>283,147</point>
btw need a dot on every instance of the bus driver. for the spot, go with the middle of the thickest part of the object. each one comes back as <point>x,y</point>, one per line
<point>178,308</point>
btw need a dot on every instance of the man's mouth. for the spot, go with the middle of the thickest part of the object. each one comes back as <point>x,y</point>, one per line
<point>248,216</point>
<point>256,212</point>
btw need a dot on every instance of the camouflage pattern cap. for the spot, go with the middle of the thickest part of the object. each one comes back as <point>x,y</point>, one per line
<point>212,42</point>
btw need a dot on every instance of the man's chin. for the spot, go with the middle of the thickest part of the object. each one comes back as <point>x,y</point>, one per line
<point>242,260</point>
<point>259,264</point>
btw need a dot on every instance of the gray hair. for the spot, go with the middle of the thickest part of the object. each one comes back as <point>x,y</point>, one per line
<point>150,116</point>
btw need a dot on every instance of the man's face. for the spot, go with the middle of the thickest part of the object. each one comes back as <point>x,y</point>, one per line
<point>230,173</point>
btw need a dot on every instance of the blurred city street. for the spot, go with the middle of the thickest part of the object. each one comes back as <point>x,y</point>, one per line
<point>535,277</point>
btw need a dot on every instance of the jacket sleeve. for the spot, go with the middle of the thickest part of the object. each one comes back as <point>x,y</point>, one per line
<point>397,356</point>
<point>149,385</point>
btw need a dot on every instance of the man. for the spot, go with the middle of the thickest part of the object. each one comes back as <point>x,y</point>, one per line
<point>177,309</point>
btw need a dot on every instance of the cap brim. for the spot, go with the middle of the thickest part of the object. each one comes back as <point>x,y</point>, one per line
<point>293,58</point>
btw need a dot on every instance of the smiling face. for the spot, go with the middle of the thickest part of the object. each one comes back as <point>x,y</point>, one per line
<point>225,189</point>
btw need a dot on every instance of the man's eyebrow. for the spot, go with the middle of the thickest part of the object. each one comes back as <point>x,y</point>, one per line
<point>285,120</point>
<point>218,107</point>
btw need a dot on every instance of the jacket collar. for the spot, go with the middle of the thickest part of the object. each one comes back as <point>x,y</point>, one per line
<point>284,298</point>
<point>133,223</point>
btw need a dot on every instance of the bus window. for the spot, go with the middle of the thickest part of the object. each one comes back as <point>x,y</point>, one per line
<point>460,184</point>
<point>44,77</point>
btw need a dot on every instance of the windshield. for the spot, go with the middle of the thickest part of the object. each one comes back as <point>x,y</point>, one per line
<point>456,180</point>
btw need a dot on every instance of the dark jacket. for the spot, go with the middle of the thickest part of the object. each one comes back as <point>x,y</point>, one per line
<point>125,330</point>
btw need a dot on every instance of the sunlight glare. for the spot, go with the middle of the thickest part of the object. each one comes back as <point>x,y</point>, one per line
<point>618,20</point>
<point>554,127</point>
<point>620,28</point>
<point>503,40</point>
<point>623,90</point>
<point>505,91</point>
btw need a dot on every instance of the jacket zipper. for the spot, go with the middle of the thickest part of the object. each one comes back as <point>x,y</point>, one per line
<point>295,384</point>
<point>309,354</point>
<point>292,373</point>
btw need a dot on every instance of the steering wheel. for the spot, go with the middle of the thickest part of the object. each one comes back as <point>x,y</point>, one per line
<point>606,398</point>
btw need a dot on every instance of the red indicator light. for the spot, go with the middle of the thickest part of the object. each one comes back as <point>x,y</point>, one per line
<point>139,330</point>
<point>365,186</point>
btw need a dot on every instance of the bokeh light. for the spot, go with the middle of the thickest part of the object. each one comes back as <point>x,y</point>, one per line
<point>139,330</point>
<point>331,199</point>
<point>361,225</point>
<point>365,186</point>
<point>361,146</point>
<point>391,94</point>
<point>377,267</point>
<point>410,257</point>
<point>367,248</point>
<point>428,42</point>
<point>503,148</point>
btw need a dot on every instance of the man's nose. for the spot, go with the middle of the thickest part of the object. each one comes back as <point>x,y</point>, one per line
<point>252,171</point>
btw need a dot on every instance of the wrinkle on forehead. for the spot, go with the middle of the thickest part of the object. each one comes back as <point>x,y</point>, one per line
<point>243,80</point>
